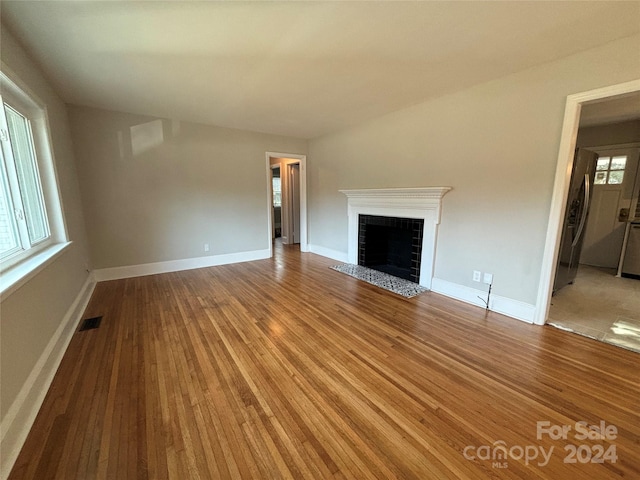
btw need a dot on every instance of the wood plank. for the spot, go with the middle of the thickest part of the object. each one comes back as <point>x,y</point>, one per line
<point>284,368</point>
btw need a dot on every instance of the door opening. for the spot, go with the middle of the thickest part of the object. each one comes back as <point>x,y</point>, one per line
<point>564,169</point>
<point>292,199</point>
<point>600,299</point>
<point>276,213</point>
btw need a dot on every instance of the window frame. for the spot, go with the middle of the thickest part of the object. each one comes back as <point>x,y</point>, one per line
<point>277,194</point>
<point>26,247</point>
<point>17,268</point>
<point>608,170</point>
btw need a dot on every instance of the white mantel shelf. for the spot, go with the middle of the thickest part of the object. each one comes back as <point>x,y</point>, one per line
<point>417,202</point>
<point>413,192</point>
<point>397,202</point>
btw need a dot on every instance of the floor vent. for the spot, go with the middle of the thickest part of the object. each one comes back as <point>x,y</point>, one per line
<point>90,323</point>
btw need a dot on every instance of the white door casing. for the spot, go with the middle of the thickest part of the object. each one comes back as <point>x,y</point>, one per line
<point>294,203</point>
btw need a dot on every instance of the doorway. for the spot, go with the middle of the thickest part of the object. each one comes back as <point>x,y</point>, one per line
<point>276,212</point>
<point>598,286</point>
<point>598,302</point>
<point>292,199</point>
<point>614,192</point>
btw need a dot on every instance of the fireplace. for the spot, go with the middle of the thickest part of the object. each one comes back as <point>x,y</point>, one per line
<point>422,204</point>
<point>391,245</point>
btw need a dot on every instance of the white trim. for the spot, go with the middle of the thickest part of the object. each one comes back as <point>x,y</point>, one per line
<point>422,203</point>
<point>302,159</point>
<point>512,308</point>
<point>499,304</point>
<point>561,187</point>
<point>458,292</point>
<point>19,418</point>
<point>130,271</point>
<point>13,278</point>
<point>329,253</point>
<point>433,193</point>
<point>30,259</point>
<point>38,115</point>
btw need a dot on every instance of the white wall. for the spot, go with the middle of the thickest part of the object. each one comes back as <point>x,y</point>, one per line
<point>496,144</point>
<point>39,317</point>
<point>193,184</point>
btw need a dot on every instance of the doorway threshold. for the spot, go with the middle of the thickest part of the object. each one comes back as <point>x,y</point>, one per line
<point>624,333</point>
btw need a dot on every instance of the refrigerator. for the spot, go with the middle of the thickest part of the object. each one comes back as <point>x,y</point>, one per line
<point>575,218</point>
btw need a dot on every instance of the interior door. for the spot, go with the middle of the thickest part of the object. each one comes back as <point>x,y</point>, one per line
<point>295,202</point>
<point>611,201</point>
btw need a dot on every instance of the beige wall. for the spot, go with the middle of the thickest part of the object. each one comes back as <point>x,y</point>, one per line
<point>613,134</point>
<point>195,184</point>
<point>496,144</point>
<point>32,314</point>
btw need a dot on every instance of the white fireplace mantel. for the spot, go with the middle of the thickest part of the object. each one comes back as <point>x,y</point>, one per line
<point>421,202</point>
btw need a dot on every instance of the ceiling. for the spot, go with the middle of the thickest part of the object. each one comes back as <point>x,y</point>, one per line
<point>296,68</point>
<point>611,110</point>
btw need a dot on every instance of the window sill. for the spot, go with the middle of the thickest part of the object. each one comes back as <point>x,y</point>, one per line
<point>15,277</point>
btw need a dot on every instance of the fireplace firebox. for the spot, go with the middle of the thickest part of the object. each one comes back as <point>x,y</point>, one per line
<point>391,245</point>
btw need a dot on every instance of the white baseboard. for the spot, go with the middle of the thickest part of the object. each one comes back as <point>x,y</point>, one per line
<point>22,412</point>
<point>505,306</point>
<point>459,292</point>
<point>130,271</point>
<point>329,253</point>
<point>513,308</point>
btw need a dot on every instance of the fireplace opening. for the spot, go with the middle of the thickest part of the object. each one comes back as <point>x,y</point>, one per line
<point>391,245</point>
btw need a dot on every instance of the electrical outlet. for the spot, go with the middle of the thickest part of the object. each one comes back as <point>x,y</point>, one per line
<point>206,247</point>
<point>488,278</point>
<point>476,275</point>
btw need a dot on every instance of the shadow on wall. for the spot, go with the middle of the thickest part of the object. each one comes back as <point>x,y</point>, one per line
<point>144,137</point>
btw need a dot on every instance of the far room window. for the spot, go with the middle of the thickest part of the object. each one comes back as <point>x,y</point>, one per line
<point>30,209</point>
<point>277,192</point>
<point>610,170</point>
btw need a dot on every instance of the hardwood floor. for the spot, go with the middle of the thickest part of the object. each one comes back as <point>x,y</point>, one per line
<point>284,368</point>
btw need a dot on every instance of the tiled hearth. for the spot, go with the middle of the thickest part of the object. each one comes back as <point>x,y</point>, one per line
<point>388,282</point>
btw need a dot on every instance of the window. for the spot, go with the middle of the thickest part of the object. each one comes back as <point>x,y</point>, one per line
<point>23,219</point>
<point>610,170</point>
<point>30,210</point>
<point>277,192</point>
